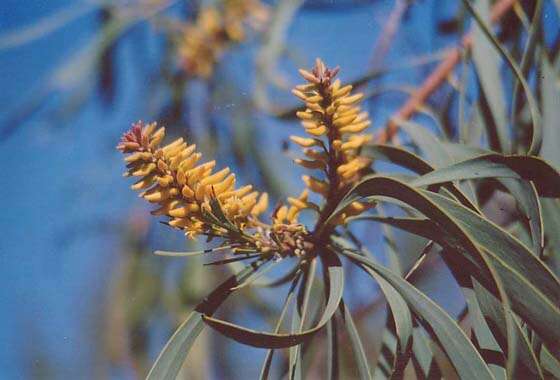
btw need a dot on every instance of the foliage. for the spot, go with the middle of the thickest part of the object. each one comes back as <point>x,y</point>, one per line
<point>505,267</point>
<point>462,182</point>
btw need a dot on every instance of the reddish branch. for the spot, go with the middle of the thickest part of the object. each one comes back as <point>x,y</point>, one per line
<point>437,77</point>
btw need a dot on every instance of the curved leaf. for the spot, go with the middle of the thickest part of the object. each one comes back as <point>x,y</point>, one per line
<point>271,340</point>
<point>268,359</point>
<point>173,355</point>
<point>356,343</point>
<point>300,316</point>
<point>463,355</point>
<point>412,162</point>
<point>536,140</point>
<point>527,366</point>
<point>544,176</point>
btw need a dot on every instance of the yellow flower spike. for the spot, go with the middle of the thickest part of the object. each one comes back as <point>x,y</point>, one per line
<point>316,155</point>
<point>316,185</point>
<point>355,127</point>
<point>204,41</point>
<point>281,214</point>
<point>226,185</point>
<point>248,202</point>
<point>187,192</point>
<point>190,162</point>
<point>314,99</point>
<point>304,115</point>
<point>319,131</point>
<point>138,156</point>
<point>181,177</point>
<point>314,107</point>
<point>261,205</point>
<point>156,196</point>
<point>184,211</point>
<point>308,76</point>
<point>300,95</point>
<point>345,120</point>
<point>216,177</point>
<point>200,192</point>
<point>292,215</point>
<point>162,166</point>
<point>337,145</point>
<point>310,164</point>
<point>310,124</point>
<point>297,203</point>
<point>149,129</point>
<point>171,146</point>
<point>337,111</point>
<point>304,142</point>
<point>356,142</point>
<point>339,93</point>
<point>143,183</point>
<point>335,86</point>
<point>156,138</point>
<point>236,193</point>
<point>183,191</point>
<point>144,170</point>
<point>165,181</point>
<point>349,100</point>
<point>305,87</point>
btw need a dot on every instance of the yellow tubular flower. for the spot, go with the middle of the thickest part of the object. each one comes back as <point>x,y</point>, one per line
<point>334,121</point>
<point>182,189</point>
<point>203,41</point>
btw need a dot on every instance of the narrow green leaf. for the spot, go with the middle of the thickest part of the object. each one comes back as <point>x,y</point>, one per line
<point>463,355</point>
<point>332,350</point>
<point>487,62</point>
<point>536,140</point>
<point>268,359</point>
<point>551,216</point>
<point>545,177</point>
<point>421,353</point>
<point>174,353</point>
<point>191,253</point>
<point>525,193</point>
<point>271,340</point>
<point>512,261</point>
<point>300,316</point>
<point>414,163</point>
<point>503,246</point>
<point>401,313</point>
<point>356,342</point>
<point>527,366</point>
<point>550,364</point>
<point>527,59</point>
<point>434,152</point>
<point>550,95</point>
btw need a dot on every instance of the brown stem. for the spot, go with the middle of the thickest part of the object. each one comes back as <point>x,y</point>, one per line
<point>437,77</point>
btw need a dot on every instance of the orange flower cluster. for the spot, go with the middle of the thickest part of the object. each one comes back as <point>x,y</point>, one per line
<point>334,121</point>
<point>205,40</point>
<point>172,178</point>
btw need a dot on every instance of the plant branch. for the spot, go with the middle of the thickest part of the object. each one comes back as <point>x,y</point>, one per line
<point>437,77</point>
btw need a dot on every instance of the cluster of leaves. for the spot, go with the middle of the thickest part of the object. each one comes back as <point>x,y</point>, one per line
<point>481,200</point>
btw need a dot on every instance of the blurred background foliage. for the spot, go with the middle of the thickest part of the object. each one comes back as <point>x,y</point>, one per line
<point>82,296</point>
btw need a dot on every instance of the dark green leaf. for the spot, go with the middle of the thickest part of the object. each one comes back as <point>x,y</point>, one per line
<point>268,359</point>
<point>174,353</point>
<point>270,340</point>
<point>356,343</point>
<point>545,177</point>
<point>463,355</point>
<point>536,140</point>
<point>300,316</point>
